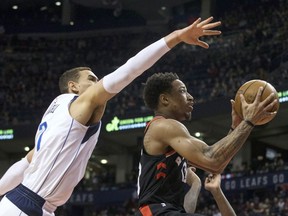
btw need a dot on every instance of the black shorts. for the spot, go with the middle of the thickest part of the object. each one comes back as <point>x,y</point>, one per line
<point>162,209</point>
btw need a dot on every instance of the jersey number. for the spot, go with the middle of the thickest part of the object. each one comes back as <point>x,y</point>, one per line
<point>184,172</point>
<point>42,129</point>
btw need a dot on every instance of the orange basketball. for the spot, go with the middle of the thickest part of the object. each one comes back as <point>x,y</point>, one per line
<point>249,90</point>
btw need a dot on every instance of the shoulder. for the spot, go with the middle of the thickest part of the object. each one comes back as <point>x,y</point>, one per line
<point>166,124</point>
<point>166,127</point>
<point>68,96</point>
<point>65,99</point>
<point>163,133</point>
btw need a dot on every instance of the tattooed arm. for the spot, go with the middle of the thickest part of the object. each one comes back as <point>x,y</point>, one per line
<point>213,159</point>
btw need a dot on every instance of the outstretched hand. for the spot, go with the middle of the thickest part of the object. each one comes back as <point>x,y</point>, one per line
<point>192,33</point>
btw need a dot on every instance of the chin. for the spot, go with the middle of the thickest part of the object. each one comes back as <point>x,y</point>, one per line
<point>188,116</point>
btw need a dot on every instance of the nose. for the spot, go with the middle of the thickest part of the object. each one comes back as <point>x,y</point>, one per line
<point>190,97</point>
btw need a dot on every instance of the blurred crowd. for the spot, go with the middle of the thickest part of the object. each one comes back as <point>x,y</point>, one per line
<point>252,46</point>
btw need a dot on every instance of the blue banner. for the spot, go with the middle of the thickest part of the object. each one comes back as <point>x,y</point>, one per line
<point>228,184</point>
<point>101,197</point>
<point>255,181</point>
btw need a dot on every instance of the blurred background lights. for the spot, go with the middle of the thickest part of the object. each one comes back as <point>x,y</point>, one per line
<point>104,161</point>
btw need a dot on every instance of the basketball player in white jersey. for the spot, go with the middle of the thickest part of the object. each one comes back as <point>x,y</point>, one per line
<point>70,127</point>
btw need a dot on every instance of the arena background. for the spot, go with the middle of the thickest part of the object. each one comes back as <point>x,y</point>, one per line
<point>39,39</point>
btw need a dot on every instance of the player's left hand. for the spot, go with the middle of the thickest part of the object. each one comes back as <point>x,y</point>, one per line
<point>197,29</point>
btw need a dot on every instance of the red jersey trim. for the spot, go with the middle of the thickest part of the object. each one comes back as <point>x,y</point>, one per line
<point>168,154</point>
<point>145,211</point>
<point>148,124</point>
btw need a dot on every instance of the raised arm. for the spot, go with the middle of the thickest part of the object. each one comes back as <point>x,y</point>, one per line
<point>212,158</point>
<point>98,94</point>
<point>116,81</point>
<point>213,184</point>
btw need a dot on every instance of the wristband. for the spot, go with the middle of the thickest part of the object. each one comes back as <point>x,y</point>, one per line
<point>249,123</point>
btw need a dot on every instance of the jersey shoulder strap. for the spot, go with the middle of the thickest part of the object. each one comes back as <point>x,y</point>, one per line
<point>154,119</point>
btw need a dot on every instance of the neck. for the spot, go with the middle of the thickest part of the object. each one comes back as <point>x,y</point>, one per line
<point>157,113</point>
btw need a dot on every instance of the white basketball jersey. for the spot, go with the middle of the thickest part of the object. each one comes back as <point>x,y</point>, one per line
<point>63,147</point>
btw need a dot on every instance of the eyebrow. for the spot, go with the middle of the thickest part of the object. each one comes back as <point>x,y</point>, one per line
<point>93,77</point>
<point>182,87</point>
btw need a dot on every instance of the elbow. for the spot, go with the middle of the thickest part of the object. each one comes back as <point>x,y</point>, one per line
<point>215,167</point>
<point>218,170</point>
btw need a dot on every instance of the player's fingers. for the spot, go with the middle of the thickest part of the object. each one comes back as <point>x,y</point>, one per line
<point>204,22</point>
<point>258,95</point>
<point>195,23</point>
<point>211,32</point>
<point>210,176</point>
<point>232,104</point>
<point>242,98</point>
<point>211,25</point>
<point>268,105</point>
<point>268,114</point>
<point>270,99</point>
<point>193,169</point>
<point>271,113</point>
<point>202,44</point>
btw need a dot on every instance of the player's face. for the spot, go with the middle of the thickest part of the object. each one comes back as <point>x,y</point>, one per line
<point>181,102</point>
<point>86,79</point>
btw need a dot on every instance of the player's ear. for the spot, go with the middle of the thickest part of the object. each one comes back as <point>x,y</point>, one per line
<point>164,99</point>
<point>73,87</point>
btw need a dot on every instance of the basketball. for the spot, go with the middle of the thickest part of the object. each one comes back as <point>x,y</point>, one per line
<point>249,90</point>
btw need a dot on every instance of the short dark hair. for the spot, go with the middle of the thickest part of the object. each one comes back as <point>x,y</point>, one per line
<point>70,75</point>
<point>155,85</point>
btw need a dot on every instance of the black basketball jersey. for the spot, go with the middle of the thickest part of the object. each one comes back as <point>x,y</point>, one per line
<point>161,178</point>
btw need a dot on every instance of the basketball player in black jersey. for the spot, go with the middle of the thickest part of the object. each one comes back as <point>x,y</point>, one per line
<point>167,143</point>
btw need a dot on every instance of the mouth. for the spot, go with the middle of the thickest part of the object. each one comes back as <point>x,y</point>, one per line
<point>191,107</point>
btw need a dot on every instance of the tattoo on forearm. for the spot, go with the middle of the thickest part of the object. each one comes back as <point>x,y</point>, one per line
<point>227,147</point>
